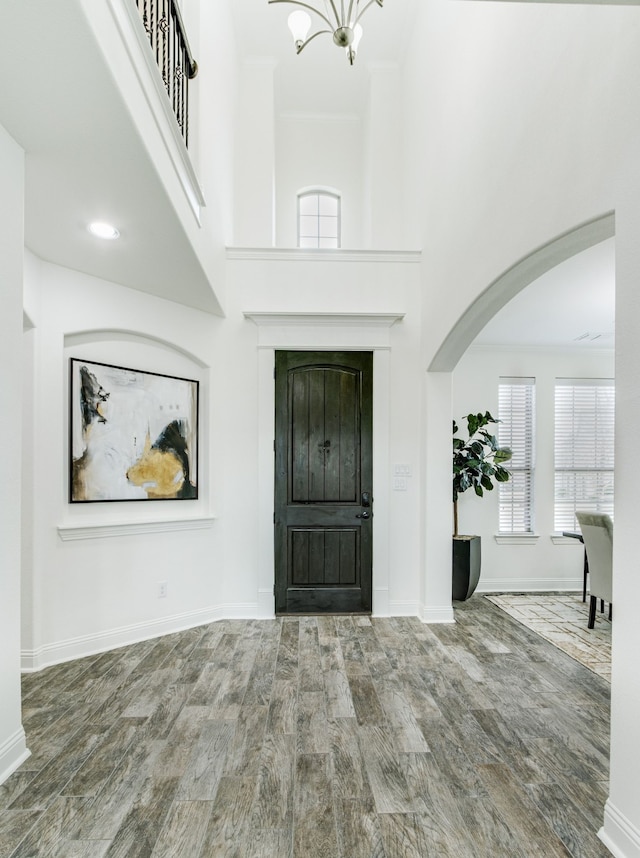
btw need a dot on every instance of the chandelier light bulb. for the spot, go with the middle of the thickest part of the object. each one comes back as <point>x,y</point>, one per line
<point>299,24</point>
<point>352,49</point>
<point>340,20</point>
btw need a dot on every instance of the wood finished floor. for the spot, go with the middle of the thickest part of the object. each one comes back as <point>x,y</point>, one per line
<point>328,737</point>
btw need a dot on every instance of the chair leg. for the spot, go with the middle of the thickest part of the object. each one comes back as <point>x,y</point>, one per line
<point>584,577</point>
<point>592,612</point>
<point>610,611</point>
<point>602,606</point>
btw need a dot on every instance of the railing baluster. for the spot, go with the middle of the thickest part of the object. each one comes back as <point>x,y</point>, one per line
<point>163,24</point>
<point>145,15</point>
<point>152,25</point>
<point>165,44</point>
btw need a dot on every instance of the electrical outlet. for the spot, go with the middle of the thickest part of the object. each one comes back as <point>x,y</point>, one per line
<point>162,589</point>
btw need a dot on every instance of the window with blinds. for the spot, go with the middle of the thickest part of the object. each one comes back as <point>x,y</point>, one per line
<point>516,403</point>
<point>584,442</point>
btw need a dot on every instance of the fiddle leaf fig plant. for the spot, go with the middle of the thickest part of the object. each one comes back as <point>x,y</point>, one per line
<point>477,461</point>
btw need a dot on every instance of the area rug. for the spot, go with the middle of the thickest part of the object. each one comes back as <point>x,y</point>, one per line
<point>561,618</point>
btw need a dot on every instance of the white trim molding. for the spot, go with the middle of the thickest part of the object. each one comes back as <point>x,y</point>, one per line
<point>84,645</point>
<point>437,614</point>
<point>530,585</point>
<point>71,533</point>
<point>266,603</point>
<point>381,606</point>
<point>348,337</point>
<point>296,254</point>
<point>403,609</point>
<point>619,834</point>
<point>517,538</point>
<point>13,753</point>
<point>362,320</point>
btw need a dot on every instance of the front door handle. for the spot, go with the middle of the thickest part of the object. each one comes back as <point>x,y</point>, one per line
<point>364,514</point>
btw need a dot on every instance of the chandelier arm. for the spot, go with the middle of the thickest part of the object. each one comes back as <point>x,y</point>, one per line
<point>311,38</point>
<point>335,12</point>
<point>351,10</point>
<point>311,9</point>
<point>370,3</point>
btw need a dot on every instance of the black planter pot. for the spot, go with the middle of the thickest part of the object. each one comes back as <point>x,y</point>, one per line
<point>466,566</point>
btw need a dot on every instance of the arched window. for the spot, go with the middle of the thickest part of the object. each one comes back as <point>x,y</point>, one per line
<point>318,219</point>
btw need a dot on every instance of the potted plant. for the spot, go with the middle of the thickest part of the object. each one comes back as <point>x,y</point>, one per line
<point>477,462</point>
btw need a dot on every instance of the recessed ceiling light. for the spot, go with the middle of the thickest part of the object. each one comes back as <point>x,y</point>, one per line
<point>103,230</point>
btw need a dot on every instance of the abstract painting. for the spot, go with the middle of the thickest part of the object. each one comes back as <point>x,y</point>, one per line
<point>133,434</point>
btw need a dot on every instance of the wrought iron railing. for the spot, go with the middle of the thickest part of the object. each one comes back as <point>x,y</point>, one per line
<point>164,26</point>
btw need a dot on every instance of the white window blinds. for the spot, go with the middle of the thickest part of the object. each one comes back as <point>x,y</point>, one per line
<point>584,443</point>
<point>516,403</point>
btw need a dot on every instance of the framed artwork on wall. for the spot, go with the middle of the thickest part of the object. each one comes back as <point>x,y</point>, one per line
<point>133,435</point>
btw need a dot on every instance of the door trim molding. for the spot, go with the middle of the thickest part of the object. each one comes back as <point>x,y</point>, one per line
<point>324,338</point>
<point>366,320</point>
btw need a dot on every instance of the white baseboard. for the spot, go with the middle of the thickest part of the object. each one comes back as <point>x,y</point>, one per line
<point>403,609</point>
<point>441,614</point>
<point>381,606</point>
<point>266,604</point>
<point>13,753</point>
<point>67,650</point>
<point>529,585</point>
<point>619,834</point>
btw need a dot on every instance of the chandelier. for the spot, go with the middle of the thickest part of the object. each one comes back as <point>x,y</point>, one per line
<point>341,17</point>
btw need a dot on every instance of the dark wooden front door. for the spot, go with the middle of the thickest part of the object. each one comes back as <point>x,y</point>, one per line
<point>323,503</point>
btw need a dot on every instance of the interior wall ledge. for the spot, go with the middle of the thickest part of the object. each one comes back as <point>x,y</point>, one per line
<point>516,538</point>
<point>267,318</point>
<point>71,533</point>
<point>296,254</point>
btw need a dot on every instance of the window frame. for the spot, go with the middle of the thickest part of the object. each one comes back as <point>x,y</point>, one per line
<point>319,192</point>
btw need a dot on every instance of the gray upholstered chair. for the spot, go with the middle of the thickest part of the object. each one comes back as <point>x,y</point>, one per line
<point>597,532</point>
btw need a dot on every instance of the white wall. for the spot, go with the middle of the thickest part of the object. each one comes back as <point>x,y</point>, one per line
<point>515,135</point>
<point>319,152</point>
<point>297,303</point>
<point>518,128</point>
<point>91,580</point>
<point>383,213</point>
<point>544,564</point>
<point>12,740</point>
<point>518,131</point>
<point>212,117</point>
<point>622,818</point>
<point>97,587</point>
<point>254,166</point>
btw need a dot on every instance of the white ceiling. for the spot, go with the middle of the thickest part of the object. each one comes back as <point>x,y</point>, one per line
<point>86,161</point>
<point>320,79</point>
<point>573,300</point>
<point>571,305</point>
